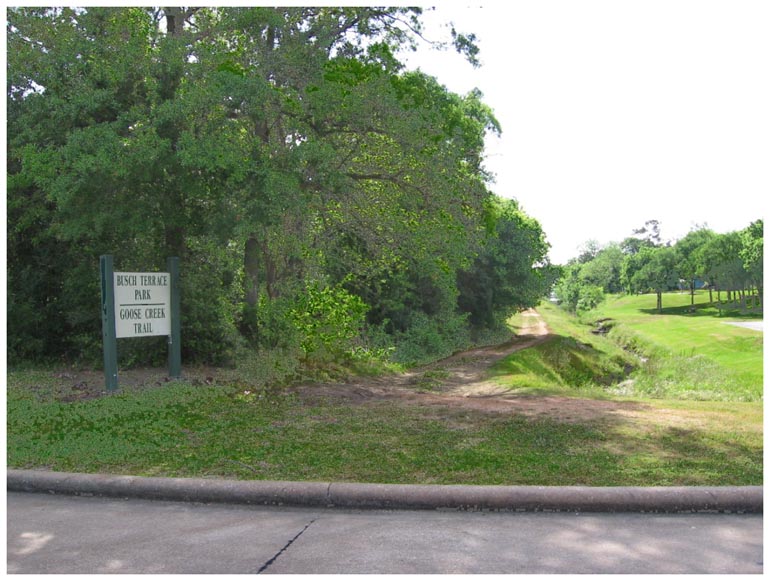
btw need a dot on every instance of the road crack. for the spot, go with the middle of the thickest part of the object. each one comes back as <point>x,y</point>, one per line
<point>284,548</point>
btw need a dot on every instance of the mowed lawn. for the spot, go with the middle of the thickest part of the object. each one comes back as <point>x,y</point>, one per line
<point>232,430</point>
<point>224,432</point>
<point>694,332</point>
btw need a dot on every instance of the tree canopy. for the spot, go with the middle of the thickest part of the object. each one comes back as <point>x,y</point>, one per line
<point>284,154</point>
<point>731,262</point>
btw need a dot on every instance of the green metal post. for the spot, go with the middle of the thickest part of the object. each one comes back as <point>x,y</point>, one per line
<point>175,339</point>
<point>109,341</point>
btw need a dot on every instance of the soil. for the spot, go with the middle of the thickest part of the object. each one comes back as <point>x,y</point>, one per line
<point>463,381</point>
<point>74,384</point>
<point>460,381</point>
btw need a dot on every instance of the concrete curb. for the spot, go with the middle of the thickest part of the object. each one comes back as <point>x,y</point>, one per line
<point>739,499</point>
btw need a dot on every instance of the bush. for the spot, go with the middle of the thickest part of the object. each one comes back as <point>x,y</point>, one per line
<point>431,338</point>
<point>268,324</point>
<point>327,320</point>
<point>209,296</point>
<point>589,297</point>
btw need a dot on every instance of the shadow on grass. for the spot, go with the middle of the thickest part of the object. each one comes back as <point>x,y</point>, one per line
<point>706,310</point>
<point>207,431</point>
<point>686,456</point>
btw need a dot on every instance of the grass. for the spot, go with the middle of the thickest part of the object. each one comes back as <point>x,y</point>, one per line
<point>212,431</point>
<point>675,355</point>
<point>236,429</point>
<point>574,361</point>
<point>691,355</point>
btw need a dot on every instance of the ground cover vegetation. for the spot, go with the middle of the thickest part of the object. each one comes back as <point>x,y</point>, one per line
<point>626,348</point>
<point>582,405</point>
<point>573,361</point>
<point>229,431</point>
<point>332,213</point>
<point>326,204</point>
<point>686,353</point>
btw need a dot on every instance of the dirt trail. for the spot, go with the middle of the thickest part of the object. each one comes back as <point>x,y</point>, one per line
<point>463,381</point>
<point>460,381</point>
<point>466,374</point>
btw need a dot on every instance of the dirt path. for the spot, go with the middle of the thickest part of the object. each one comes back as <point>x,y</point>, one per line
<point>466,374</point>
<point>460,381</point>
<point>463,381</point>
<point>461,374</point>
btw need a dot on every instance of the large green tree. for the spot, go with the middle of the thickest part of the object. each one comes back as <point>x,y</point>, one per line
<point>604,269</point>
<point>511,272</point>
<point>275,150</point>
<point>721,263</point>
<point>752,253</point>
<point>687,256</point>
<point>654,269</point>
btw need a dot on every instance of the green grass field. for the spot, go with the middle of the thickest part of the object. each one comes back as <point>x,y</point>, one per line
<point>677,435</point>
<point>211,431</point>
<point>693,354</point>
<point>678,355</point>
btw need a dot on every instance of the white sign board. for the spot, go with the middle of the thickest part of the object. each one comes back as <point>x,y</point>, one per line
<point>142,304</point>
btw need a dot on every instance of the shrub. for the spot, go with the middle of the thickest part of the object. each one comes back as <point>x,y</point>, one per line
<point>589,297</point>
<point>431,338</point>
<point>327,319</point>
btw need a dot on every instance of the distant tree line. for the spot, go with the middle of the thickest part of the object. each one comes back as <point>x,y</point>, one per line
<point>728,263</point>
<point>322,199</point>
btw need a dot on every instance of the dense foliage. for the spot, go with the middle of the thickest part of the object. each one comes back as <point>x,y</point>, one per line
<point>730,262</point>
<point>321,198</point>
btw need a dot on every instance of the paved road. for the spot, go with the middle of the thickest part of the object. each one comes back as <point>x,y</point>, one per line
<point>754,325</point>
<point>67,534</point>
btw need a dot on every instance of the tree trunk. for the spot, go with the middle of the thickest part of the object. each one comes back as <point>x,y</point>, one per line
<point>174,239</point>
<point>271,272</point>
<point>660,301</point>
<point>174,234</point>
<point>251,271</point>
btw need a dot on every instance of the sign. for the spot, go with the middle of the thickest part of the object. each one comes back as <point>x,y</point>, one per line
<point>142,304</point>
<point>139,304</point>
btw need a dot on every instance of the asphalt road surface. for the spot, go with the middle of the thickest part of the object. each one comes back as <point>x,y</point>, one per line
<point>68,534</point>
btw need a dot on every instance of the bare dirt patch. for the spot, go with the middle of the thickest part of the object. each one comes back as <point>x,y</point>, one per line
<point>71,385</point>
<point>461,381</point>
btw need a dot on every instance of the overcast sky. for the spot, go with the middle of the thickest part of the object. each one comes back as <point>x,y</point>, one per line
<point>617,112</point>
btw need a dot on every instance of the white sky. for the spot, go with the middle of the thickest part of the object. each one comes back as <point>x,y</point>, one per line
<point>617,112</point>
